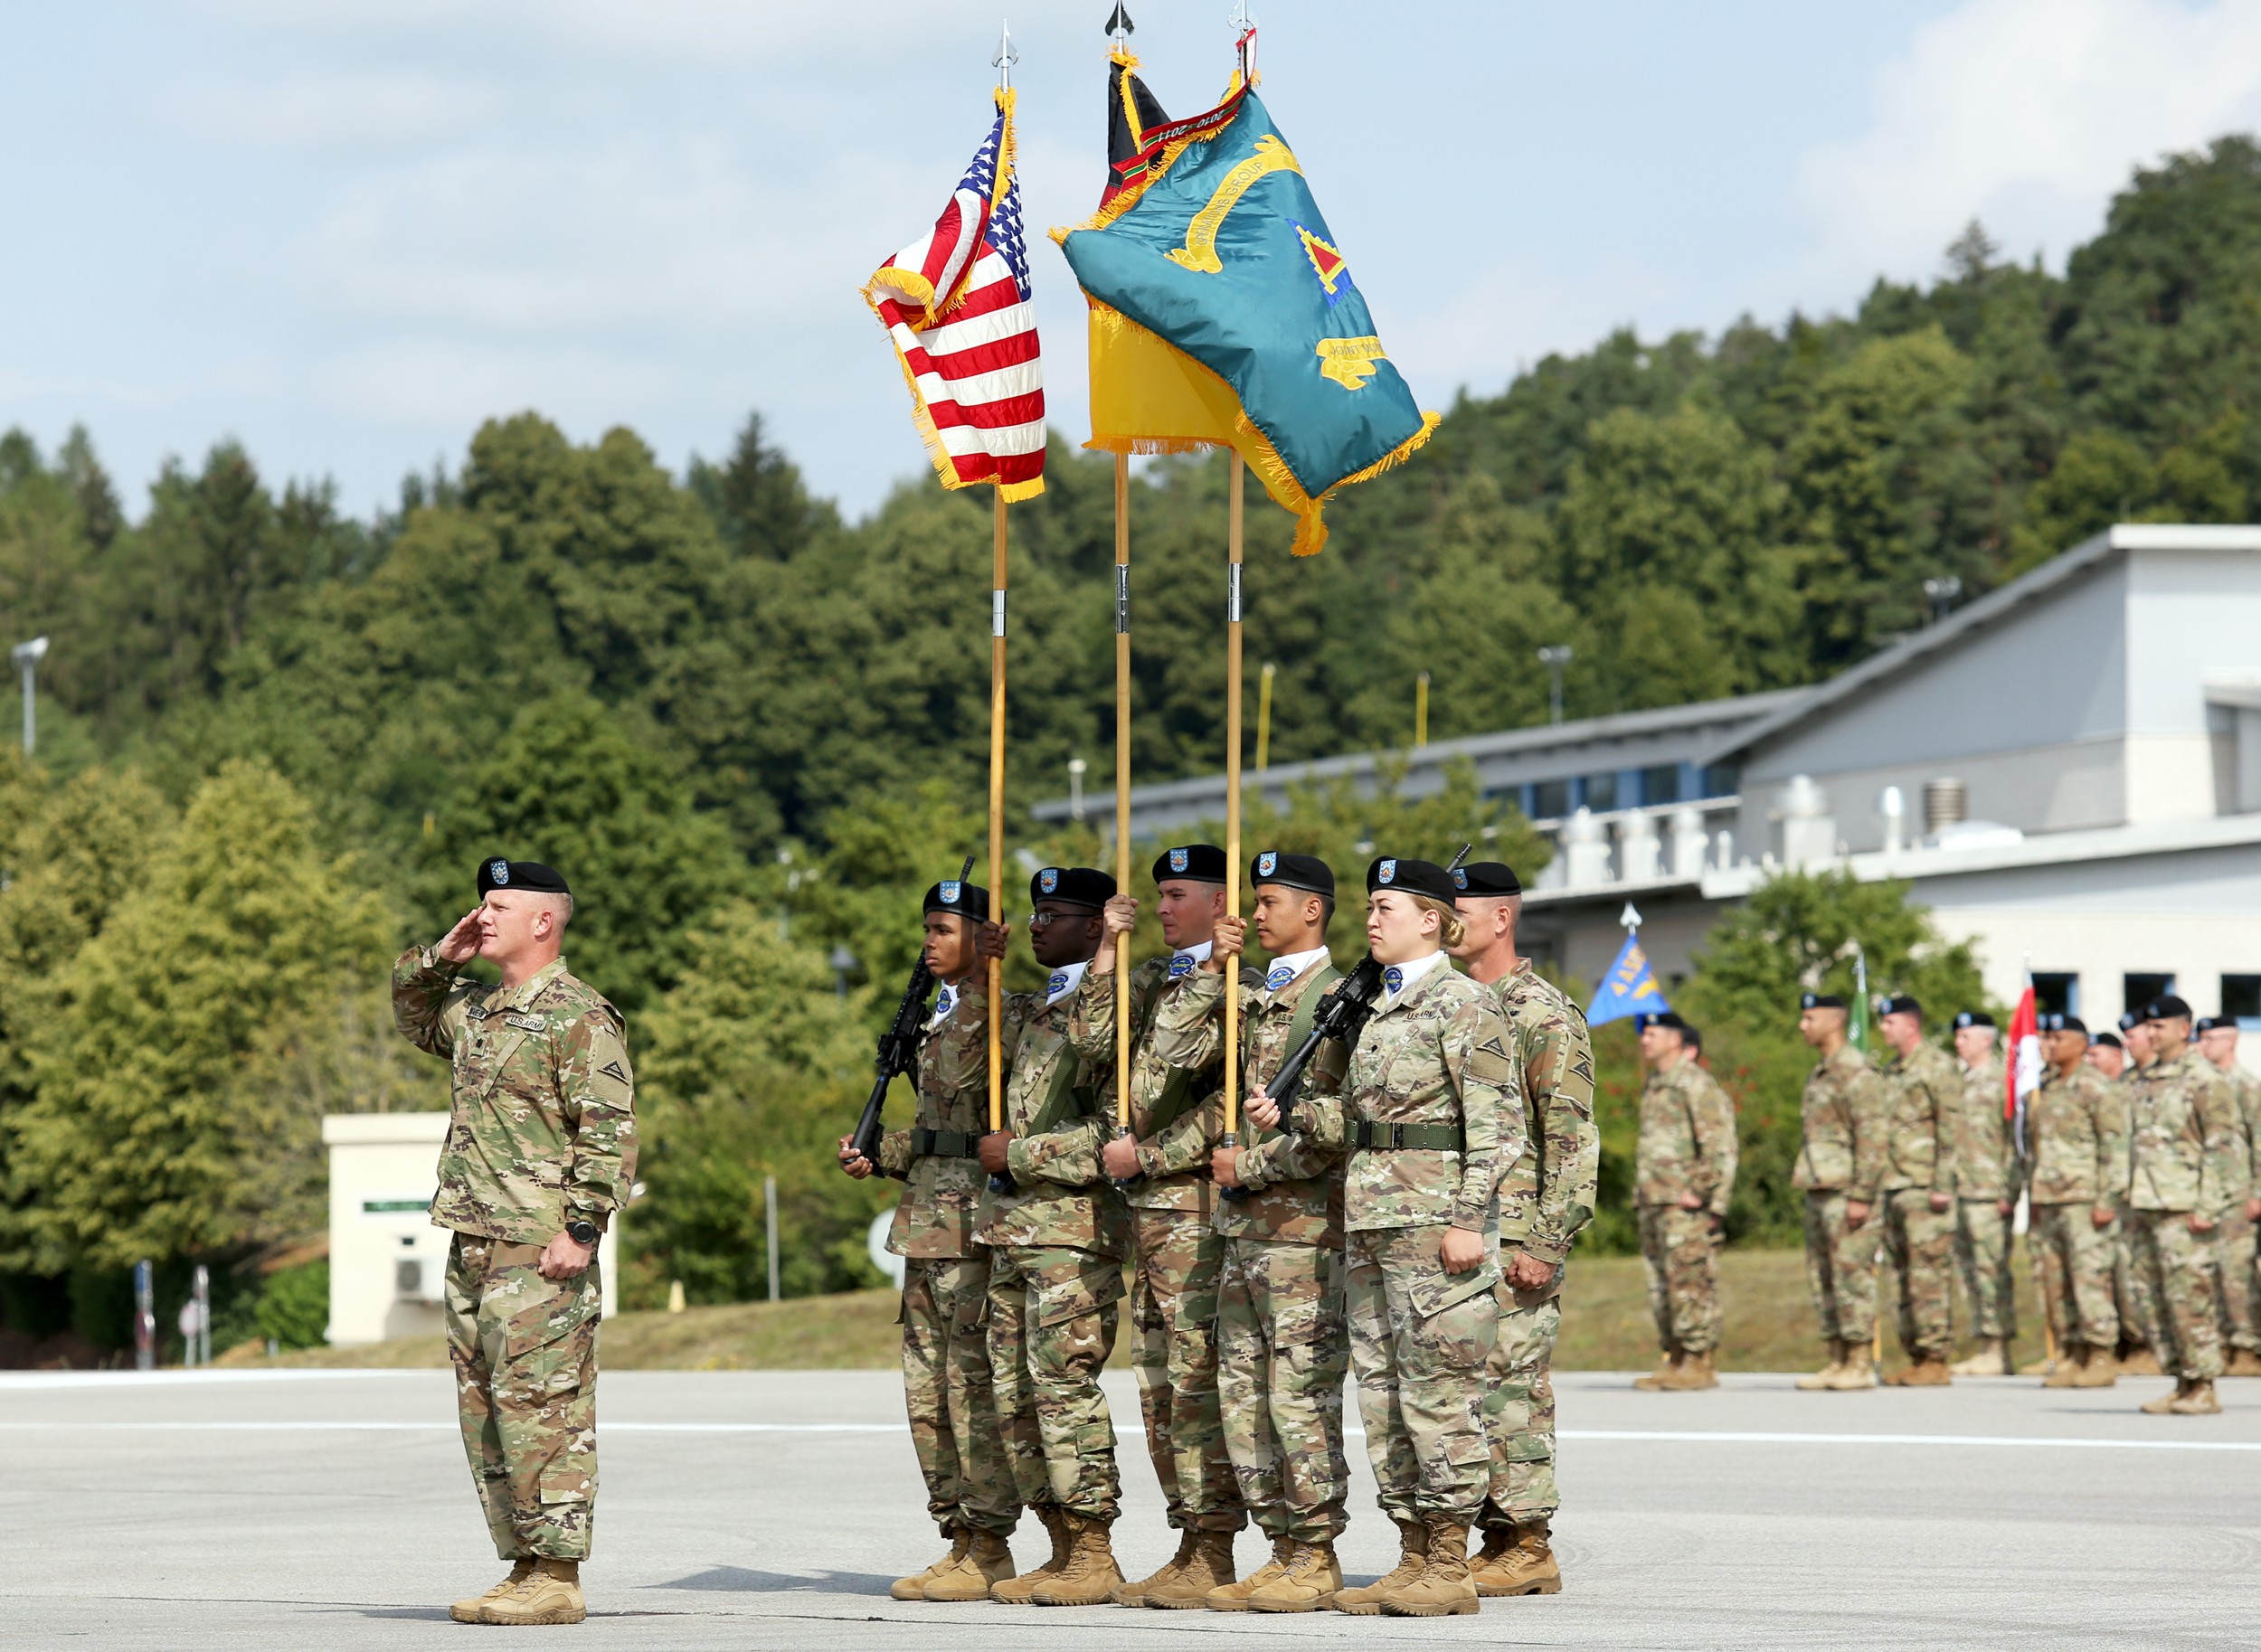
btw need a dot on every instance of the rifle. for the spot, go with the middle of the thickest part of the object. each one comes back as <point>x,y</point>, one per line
<point>1341,1013</point>
<point>898,1048</point>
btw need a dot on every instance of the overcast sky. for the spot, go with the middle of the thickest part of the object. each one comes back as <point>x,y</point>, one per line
<point>346,230</point>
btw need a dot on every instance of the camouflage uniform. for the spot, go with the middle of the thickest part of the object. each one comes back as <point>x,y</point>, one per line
<point>946,1382</point>
<point>1437,1062</point>
<point>1986,1172</point>
<point>1842,1161</point>
<point>1178,1116</point>
<point>1547,1196</point>
<point>2076,1129</point>
<point>1056,1243</point>
<point>2131,1295</point>
<point>2234,1238</point>
<point>1283,1346</point>
<point>1925,1088</point>
<point>2182,1161</point>
<point>542,1131</point>
<point>1687,1146</point>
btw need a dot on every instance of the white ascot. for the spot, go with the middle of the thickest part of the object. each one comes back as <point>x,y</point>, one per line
<point>945,1001</point>
<point>1186,960</point>
<point>1287,968</point>
<point>1402,978</point>
<point>1064,982</point>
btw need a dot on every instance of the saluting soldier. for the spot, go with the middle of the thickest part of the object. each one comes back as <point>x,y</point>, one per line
<point>1683,1179</point>
<point>1987,1172</point>
<point>1432,1114</point>
<point>1839,1166</point>
<point>1176,1117</point>
<point>946,1382</point>
<point>1924,1099</point>
<point>2076,1133</point>
<point>1544,1199</point>
<point>2184,1174</point>
<point>2234,1238</point>
<point>540,1154</point>
<point>1056,1234</point>
<point>1283,1346</point>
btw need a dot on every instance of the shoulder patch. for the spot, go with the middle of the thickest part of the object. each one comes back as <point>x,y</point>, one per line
<point>1492,1046</point>
<point>612,1070</point>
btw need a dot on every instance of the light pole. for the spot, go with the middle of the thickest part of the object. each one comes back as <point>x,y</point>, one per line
<point>1943,594</point>
<point>27,657</point>
<point>1077,766</point>
<point>1555,658</point>
<point>843,962</point>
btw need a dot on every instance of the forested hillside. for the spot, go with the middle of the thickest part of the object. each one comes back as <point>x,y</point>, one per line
<point>747,727</point>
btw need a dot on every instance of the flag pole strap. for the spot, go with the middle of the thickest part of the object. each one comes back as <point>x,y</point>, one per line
<point>997,800</point>
<point>1122,785</point>
<point>1233,496</point>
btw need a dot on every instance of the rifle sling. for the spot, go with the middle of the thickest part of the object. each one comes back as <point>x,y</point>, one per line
<point>1299,1031</point>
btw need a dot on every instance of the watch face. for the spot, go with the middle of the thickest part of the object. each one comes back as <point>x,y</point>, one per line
<point>581,1232</point>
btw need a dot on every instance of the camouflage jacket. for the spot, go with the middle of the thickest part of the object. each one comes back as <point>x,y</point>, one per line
<point>2247,1089</point>
<point>1062,1195</point>
<point>1688,1142</point>
<point>2183,1139</point>
<point>542,1125</point>
<point>1843,1109</point>
<point>1549,1190</point>
<point>935,1217</point>
<point>1440,1055</point>
<point>1924,1092</point>
<point>1174,1159</point>
<point>1986,1140</point>
<point>1294,1181</point>
<point>2076,1127</point>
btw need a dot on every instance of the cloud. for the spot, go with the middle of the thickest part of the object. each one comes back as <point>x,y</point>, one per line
<point>323,111</point>
<point>2026,114</point>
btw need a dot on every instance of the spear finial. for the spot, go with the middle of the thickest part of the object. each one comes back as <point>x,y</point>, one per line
<point>1005,59</point>
<point>1121,26</point>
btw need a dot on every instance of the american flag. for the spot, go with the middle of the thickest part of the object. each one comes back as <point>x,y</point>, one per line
<point>956,304</point>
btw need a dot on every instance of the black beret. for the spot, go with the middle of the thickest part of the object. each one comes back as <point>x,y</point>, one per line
<point>2166,1008</point>
<point>1659,1018</point>
<point>2109,1038</point>
<point>1306,872</point>
<point>1072,886</point>
<point>1693,1037</point>
<point>1487,878</point>
<point>1819,1000</point>
<point>1899,1003</point>
<point>1972,1018</point>
<point>530,875</point>
<point>2130,1020</point>
<point>1196,863</point>
<point>1415,877</point>
<point>2057,1021</point>
<point>952,895</point>
<point>2214,1023</point>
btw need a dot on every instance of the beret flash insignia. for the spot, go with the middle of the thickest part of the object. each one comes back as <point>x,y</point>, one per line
<point>1389,873</point>
<point>1460,878</point>
<point>1178,860</point>
<point>1266,864</point>
<point>951,889</point>
<point>1049,880</point>
<point>498,872</point>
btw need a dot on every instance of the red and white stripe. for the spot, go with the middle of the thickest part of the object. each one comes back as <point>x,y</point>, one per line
<point>978,373</point>
<point>2023,1074</point>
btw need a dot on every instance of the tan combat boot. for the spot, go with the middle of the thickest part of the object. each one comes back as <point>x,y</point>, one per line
<point>1016,1590</point>
<point>2098,1370</point>
<point>2136,1359</point>
<point>550,1593</point>
<point>1694,1376</point>
<point>2072,1361</point>
<point>1208,1567</point>
<point>1444,1588</point>
<point>915,1587</point>
<point>2164,1405</point>
<point>1859,1370</point>
<point>1526,1566</point>
<point>2243,1363</point>
<point>1989,1358</point>
<point>1090,1577</point>
<point>987,1562</point>
<point>1660,1379</point>
<point>1413,1559</point>
<point>2196,1401</point>
<point>1310,1583</point>
<point>1134,1595</point>
<point>1827,1376</point>
<point>468,1611</point>
<point>1929,1371</point>
<point>1233,1597</point>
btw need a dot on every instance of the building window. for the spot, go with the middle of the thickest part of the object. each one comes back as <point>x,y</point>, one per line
<point>1550,799</point>
<point>1660,784</point>
<point>1720,779</point>
<point>2241,999</point>
<point>2137,990</point>
<point>1601,791</point>
<point>2057,995</point>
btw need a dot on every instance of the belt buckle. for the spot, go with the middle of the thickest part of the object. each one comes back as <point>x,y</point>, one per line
<point>1396,1135</point>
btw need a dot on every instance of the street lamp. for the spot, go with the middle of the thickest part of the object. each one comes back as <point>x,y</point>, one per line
<point>1076,766</point>
<point>27,657</point>
<point>1555,658</point>
<point>1943,594</point>
<point>843,962</point>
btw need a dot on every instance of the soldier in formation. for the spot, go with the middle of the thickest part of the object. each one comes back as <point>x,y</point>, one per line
<point>1683,1178</point>
<point>540,1154</point>
<point>2239,1311</point>
<point>2109,1054</point>
<point>1987,1178</point>
<point>1924,1093</point>
<point>1840,1163</point>
<point>946,1379</point>
<point>1545,1199</point>
<point>2077,1132</point>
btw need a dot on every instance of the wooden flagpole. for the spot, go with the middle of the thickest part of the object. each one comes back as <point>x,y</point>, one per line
<point>1234,489</point>
<point>996,801</point>
<point>1122,785</point>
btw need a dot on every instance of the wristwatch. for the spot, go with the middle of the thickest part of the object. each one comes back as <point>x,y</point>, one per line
<point>581,1232</point>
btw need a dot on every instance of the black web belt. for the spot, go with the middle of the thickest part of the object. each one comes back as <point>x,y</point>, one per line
<point>945,1144</point>
<point>1389,1138</point>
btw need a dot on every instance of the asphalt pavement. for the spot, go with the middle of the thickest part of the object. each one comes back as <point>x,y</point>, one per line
<point>333,1510</point>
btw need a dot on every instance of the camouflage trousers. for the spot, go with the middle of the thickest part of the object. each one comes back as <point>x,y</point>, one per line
<point>1982,1251</point>
<point>1051,1327</point>
<point>1920,1242</point>
<point>947,1389</point>
<point>1173,1352</point>
<point>2131,1290</point>
<point>2072,1273</point>
<point>525,1351</point>
<point>1679,1251</point>
<point>1419,1341</point>
<point>1840,1269</point>
<point>2178,1267</point>
<point>1282,1348</point>
<point>1520,1406</point>
<point>2233,1302</point>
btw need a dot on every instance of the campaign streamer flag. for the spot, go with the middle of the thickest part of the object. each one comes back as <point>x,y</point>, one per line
<point>1223,308</point>
<point>2024,1066</point>
<point>956,304</point>
<point>1629,988</point>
